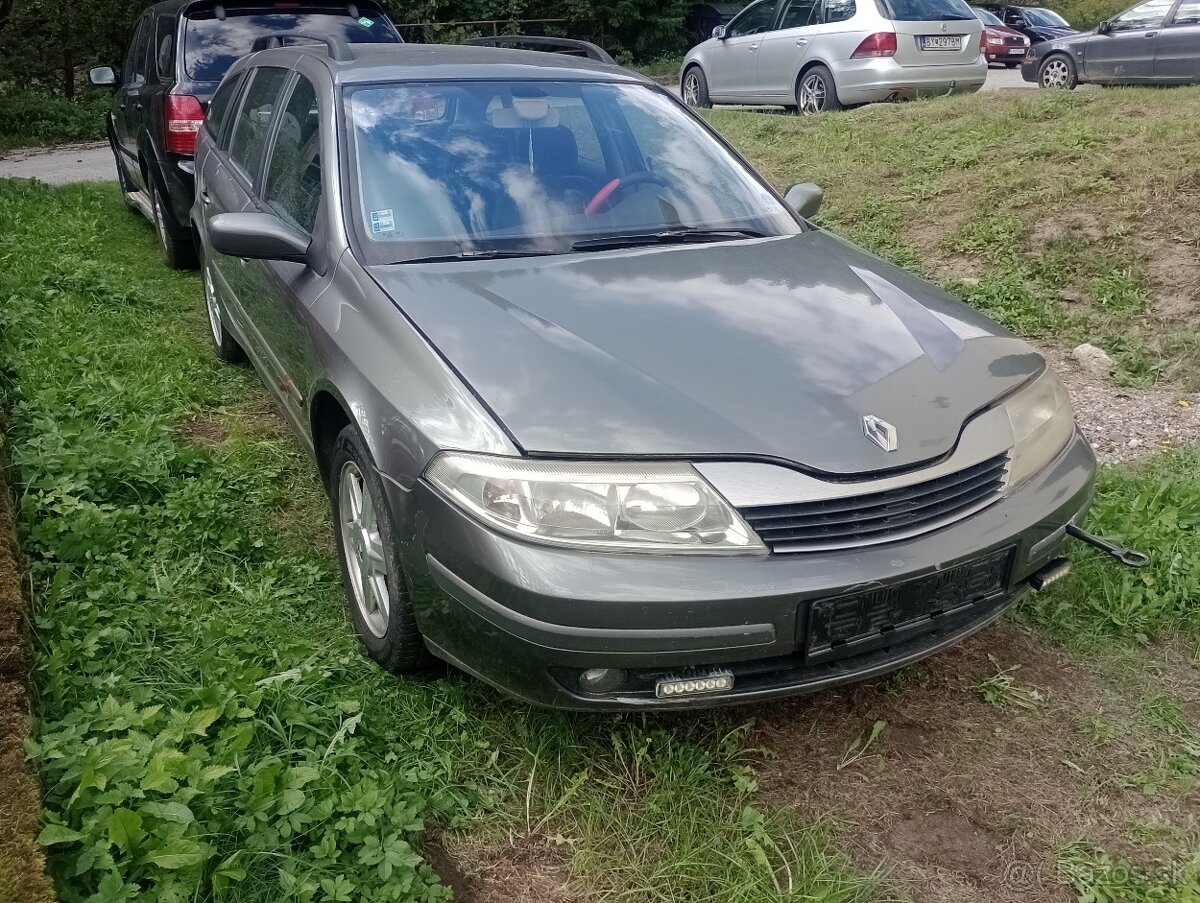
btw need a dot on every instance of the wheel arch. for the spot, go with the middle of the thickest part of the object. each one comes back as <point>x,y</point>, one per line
<point>328,415</point>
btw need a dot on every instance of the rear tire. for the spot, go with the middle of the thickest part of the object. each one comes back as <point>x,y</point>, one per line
<point>694,88</point>
<point>816,92</point>
<point>179,251</point>
<point>1057,71</point>
<point>376,595</point>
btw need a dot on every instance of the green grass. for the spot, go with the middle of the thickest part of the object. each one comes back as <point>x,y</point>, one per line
<point>207,728</point>
<point>1069,217</point>
<point>29,118</point>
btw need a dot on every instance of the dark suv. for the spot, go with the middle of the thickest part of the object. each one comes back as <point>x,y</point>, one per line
<point>179,52</point>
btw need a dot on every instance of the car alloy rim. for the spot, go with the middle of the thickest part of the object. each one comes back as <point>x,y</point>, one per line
<point>691,90</point>
<point>1055,74</point>
<point>214,310</point>
<point>160,222</point>
<point>812,94</point>
<point>362,547</point>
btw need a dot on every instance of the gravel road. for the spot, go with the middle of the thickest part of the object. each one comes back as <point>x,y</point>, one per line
<point>92,162</point>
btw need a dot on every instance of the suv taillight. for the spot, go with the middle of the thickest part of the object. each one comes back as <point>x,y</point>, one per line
<point>184,116</point>
<point>882,43</point>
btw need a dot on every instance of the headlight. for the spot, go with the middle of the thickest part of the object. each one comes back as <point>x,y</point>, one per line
<point>1043,422</point>
<point>650,506</point>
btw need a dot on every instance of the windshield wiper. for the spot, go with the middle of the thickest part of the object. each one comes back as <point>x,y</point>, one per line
<point>479,254</point>
<point>680,236</point>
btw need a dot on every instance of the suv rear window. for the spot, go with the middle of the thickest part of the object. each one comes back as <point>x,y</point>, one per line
<point>925,10</point>
<point>211,46</point>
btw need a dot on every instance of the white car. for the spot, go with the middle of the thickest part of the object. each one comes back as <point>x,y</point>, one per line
<point>816,55</point>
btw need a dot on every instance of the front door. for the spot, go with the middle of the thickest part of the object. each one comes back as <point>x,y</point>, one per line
<point>130,99</point>
<point>733,63</point>
<point>1177,50</point>
<point>1125,54</point>
<point>784,50</point>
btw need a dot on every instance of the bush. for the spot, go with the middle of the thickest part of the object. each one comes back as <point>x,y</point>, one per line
<point>28,118</point>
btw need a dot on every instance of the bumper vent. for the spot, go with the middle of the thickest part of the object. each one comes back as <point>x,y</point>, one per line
<point>878,517</point>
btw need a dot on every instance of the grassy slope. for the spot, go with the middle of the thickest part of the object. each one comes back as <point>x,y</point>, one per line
<point>206,722</point>
<point>1069,217</point>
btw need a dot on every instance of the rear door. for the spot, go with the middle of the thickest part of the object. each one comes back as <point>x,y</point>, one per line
<point>1125,54</point>
<point>1177,50</point>
<point>732,71</point>
<point>934,32</point>
<point>783,50</point>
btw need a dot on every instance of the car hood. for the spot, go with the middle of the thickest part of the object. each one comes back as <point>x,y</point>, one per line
<point>1005,31</point>
<point>772,348</point>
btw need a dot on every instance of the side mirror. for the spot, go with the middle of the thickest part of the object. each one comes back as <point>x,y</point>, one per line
<point>103,77</point>
<point>258,236</point>
<point>1104,28</point>
<point>805,198</point>
<point>719,33</point>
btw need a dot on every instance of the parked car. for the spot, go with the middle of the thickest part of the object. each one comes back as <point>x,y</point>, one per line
<point>816,55</point>
<point>604,420</point>
<point>178,54</point>
<point>1152,43</point>
<point>1002,45</point>
<point>1035,22</point>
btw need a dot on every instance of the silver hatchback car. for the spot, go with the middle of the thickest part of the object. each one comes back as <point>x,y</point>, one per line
<point>815,55</point>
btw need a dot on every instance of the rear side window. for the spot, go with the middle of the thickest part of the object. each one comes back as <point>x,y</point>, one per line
<point>164,44</point>
<point>129,67</point>
<point>293,189</point>
<point>253,120</point>
<point>839,10</point>
<point>211,46</point>
<point>218,110</point>
<point>925,10</point>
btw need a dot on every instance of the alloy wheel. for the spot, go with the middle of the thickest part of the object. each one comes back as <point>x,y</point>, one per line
<point>160,222</point>
<point>214,308</point>
<point>812,95</point>
<point>1056,74</point>
<point>362,547</point>
<point>691,90</point>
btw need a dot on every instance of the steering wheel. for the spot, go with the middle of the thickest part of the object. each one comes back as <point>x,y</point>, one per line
<point>604,197</point>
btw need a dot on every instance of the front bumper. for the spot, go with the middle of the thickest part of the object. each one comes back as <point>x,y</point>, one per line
<point>528,618</point>
<point>1006,54</point>
<point>1029,69</point>
<point>875,80</point>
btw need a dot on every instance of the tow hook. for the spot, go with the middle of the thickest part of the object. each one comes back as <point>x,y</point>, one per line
<point>1128,557</point>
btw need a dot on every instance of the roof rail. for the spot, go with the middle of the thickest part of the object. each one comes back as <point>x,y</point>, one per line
<point>551,45</point>
<point>338,49</point>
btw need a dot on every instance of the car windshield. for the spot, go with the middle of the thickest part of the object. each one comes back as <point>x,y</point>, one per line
<point>1047,18</point>
<point>541,167</point>
<point>986,17</point>
<point>212,45</point>
<point>926,10</point>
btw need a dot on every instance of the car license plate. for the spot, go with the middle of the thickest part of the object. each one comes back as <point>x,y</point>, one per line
<point>847,624</point>
<point>1017,51</point>
<point>941,42</point>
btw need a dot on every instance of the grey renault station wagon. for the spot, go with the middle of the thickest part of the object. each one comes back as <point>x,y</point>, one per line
<point>606,421</point>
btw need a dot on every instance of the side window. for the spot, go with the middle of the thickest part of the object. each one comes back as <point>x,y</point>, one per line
<point>799,13</point>
<point>1188,13</point>
<point>164,44</point>
<point>839,10</point>
<point>293,188</point>
<point>753,20</point>
<point>1150,14</point>
<point>217,118</point>
<point>254,119</point>
<point>129,67</point>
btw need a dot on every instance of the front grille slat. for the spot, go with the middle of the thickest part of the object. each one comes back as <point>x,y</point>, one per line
<point>877,517</point>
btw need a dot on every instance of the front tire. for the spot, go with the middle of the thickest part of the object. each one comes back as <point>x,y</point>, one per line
<point>694,88</point>
<point>376,596</point>
<point>1058,72</point>
<point>179,251</point>
<point>225,346</point>
<point>816,92</point>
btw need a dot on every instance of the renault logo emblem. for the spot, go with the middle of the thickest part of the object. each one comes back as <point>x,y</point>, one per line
<point>880,432</point>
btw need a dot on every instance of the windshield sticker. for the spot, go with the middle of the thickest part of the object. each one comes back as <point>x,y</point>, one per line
<point>382,221</point>
<point>365,22</point>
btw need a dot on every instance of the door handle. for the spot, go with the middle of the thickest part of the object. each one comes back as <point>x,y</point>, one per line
<point>206,197</point>
<point>800,42</point>
<point>1150,34</point>
<point>753,47</point>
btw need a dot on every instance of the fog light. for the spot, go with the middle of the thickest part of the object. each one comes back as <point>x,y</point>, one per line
<point>601,680</point>
<point>1051,573</point>
<point>713,682</point>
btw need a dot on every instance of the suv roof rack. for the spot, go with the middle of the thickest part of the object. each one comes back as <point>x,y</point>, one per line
<point>338,49</point>
<point>551,45</point>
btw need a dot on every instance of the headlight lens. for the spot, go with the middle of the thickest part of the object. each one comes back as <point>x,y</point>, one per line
<point>649,506</point>
<point>1043,422</point>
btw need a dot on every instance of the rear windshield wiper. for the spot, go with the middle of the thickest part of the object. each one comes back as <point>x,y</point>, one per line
<point>479,254</point>
<point>680,236</point>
